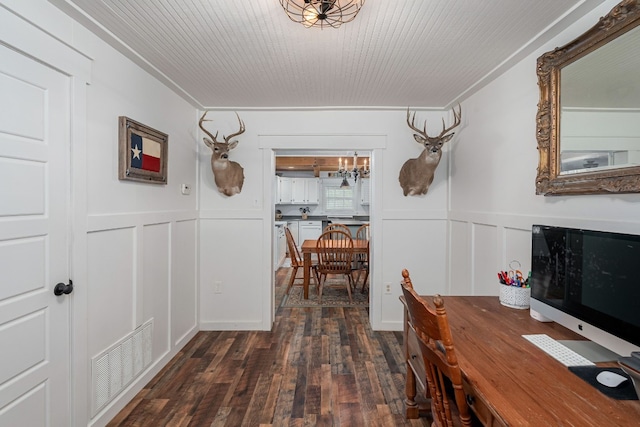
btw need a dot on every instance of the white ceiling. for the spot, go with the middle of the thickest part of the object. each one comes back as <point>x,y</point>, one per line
<point>233,54</point>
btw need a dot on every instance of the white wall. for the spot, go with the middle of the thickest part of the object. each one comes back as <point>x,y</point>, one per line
<point>141,245</point>
<point>142,238</point>
<point>493,171</point>
<point>235,233</point>
<point>617,130</point>
<point>134,244</point>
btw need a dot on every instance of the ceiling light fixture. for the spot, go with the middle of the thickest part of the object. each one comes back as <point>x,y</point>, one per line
<point>322,13</point>
<point>344,172</point>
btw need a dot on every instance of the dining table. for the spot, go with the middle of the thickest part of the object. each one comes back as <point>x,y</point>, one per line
<point>310,247</point>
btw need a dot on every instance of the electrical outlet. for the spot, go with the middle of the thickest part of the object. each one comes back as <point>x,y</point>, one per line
<point>387,288</point>
<point>217,287</point>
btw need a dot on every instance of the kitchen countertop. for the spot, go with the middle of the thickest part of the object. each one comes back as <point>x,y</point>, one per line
<point>347,221</point>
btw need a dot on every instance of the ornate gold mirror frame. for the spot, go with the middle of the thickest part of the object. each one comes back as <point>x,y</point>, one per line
<point>549,181</point>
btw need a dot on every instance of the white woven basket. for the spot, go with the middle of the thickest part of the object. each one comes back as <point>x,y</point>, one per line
<point>515,296</point>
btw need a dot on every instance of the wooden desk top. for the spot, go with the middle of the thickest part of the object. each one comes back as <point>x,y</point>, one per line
<point>520,382</point>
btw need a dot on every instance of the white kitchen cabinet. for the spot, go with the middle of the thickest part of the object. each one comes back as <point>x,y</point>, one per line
<point>279,246</point>
<point>284,190</point>
<point>305,191</point>
<point>313,191</point>
<point>308,230</point>
<point>365,191</point>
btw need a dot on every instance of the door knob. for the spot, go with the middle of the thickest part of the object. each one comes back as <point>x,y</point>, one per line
<point>62,288</point>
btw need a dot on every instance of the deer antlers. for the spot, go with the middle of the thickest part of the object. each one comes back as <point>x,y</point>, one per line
<point>457,119</point>
<point>226,138</point>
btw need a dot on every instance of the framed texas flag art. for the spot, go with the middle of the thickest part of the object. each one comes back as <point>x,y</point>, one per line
<point>143,152</point>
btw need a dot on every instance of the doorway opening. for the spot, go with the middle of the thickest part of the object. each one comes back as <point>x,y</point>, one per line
<point>309,194</point>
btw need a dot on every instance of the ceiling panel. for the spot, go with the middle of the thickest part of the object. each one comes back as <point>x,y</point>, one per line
<point>248,54</point>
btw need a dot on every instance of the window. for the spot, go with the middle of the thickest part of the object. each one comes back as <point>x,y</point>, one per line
<point>338,200</point>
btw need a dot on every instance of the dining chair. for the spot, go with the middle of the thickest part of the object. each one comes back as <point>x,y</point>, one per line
<point>335,257</point>
<point>444,377</point>
<point>362,259</point>
<point>297,261</point>
<point>338,226</point>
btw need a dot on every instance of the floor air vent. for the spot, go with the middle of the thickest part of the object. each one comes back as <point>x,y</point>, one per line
<point>115,368</point>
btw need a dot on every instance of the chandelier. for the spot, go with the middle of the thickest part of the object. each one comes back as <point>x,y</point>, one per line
<point>322,13</point>
<point>345,172</point>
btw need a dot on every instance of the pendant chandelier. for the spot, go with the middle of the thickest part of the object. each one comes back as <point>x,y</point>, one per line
<point>322,13</point>
<point>345,172</point>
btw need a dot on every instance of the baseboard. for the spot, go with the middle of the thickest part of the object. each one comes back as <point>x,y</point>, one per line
<point>233,326</point>
<point>388,326</point>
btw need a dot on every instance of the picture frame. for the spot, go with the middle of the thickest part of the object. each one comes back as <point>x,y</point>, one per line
<point>143,152</point>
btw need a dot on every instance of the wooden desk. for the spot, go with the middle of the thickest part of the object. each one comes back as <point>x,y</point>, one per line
<point>509,381</point>
<point>309,247</point>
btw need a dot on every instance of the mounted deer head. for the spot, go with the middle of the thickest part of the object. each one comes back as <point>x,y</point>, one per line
<point>416,175</point>
<point>228,175</point>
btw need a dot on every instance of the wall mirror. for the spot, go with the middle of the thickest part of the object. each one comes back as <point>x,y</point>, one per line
<point>588,121</point>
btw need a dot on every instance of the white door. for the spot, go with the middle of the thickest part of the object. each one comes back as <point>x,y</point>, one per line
<point>34,251</point>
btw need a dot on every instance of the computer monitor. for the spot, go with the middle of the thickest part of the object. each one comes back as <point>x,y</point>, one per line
<point>589,282</point>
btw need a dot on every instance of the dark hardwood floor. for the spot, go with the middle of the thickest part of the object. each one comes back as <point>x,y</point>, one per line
<point>317,367</point>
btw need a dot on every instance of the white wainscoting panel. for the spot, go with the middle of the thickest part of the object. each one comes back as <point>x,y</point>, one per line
<point>460,239</point>
<point>485,260</point>
<point>156,267</point>
<point>419,246</point>
<point>482,245</point>
<point>238,305</point>
<point>517,246</point>
<point>112,264</point>
<point>183,278</point>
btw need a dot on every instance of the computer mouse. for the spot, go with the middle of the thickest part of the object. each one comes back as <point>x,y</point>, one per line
<point>610,379</point>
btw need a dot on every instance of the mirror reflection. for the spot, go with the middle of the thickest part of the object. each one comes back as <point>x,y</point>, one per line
<point>600,108</point>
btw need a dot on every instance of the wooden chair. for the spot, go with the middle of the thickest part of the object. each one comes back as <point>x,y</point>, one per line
<point>340,237</point>
<point>338,226</point>
<point>441,365</point>
<point>335,257</point>
<point>362,259</point>
<point>297,262</point>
